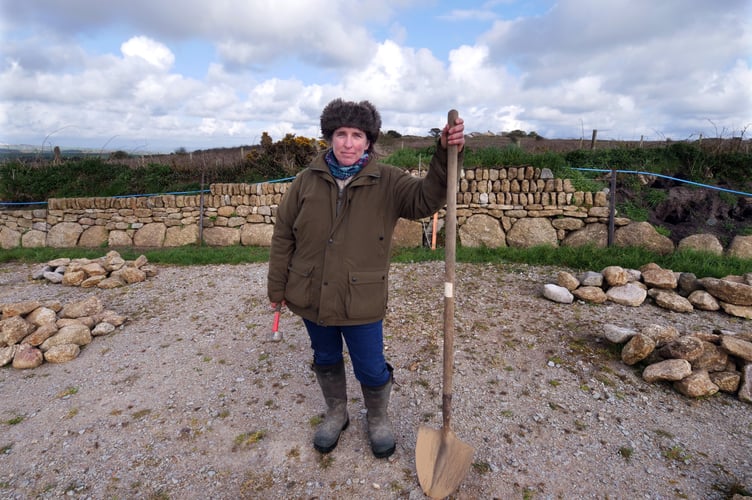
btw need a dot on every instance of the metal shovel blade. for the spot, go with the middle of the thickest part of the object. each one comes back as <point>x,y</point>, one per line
<point>442,461</point>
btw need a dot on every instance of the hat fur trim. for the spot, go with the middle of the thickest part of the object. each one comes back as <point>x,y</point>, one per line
<point>361,115</point>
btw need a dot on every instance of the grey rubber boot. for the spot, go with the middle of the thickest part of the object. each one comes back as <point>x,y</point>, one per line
<point>380,432</point>
<point>334,387</point>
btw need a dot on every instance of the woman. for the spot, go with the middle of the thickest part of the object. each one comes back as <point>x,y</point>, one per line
<point>330,252</point>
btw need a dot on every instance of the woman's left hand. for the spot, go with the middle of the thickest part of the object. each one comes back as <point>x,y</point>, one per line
<point>454,134</point>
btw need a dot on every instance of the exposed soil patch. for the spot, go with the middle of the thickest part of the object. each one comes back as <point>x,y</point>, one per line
<point>191,400</point>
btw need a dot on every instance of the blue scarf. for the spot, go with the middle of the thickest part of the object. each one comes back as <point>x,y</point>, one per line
<point>344,172</point>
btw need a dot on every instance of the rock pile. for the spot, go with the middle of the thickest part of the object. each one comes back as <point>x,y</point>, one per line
<point>109,271</point>
<point>33,332</point>
<point>698,364</point>
<point>679,292</point>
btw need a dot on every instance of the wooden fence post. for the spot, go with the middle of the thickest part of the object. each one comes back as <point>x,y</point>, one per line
<point>612,208</point>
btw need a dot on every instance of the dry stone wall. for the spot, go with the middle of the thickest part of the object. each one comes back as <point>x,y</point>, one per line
<point>232,214</point>
<point>498,206</point>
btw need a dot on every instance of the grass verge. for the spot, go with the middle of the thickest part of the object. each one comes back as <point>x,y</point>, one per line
<point>587,258</point>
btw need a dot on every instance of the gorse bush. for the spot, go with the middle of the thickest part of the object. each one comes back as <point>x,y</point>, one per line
<point>283,158</point>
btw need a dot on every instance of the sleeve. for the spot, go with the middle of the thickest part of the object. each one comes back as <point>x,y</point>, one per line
<point>420,198</point>
<point>283,243</point>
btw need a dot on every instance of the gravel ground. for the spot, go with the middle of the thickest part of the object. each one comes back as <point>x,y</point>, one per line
<point>190,399</point>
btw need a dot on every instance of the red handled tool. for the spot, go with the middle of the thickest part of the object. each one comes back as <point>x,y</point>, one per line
<point>276,334</point>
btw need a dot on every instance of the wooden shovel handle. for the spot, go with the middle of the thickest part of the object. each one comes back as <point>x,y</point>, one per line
<point>449,257</point>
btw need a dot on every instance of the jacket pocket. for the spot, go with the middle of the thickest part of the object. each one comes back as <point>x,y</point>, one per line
<point>366,294</point>
<point>298,289</point>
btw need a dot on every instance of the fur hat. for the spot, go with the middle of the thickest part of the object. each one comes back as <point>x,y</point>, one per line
<point>361,115</point>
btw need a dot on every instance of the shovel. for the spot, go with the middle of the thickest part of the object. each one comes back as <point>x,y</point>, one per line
<point>442,460</point>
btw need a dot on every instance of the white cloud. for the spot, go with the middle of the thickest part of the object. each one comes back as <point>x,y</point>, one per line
<point>155,53</point>
<point>629,69</point>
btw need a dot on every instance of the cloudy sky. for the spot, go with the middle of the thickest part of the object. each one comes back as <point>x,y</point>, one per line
<point>158,75</point>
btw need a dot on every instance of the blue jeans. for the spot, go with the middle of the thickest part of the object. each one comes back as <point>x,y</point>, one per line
<point>365,343</point>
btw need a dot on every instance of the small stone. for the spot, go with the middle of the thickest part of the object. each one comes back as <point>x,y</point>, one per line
<point>737,347</point>
<point>638,348</point>
<point>727,382</point>
<point>558,294</point>
<point>567,280</point>
<point>592,294</point>
<point>615,276</point>
<point>696,385</point>
<point>662,335</point>
<point>703,300</point>
<point>672,301</point>
<point>62,353</point>
<point>7,354</point>
<point>688,348</point>
<point>670,369</point>
<point>27,357</point>
<point>19,308</point>
<point>630,294</point>
<point>102,328</point>
<point>617,334</point>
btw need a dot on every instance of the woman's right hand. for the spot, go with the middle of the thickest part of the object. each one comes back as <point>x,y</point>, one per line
<point>277,306</point>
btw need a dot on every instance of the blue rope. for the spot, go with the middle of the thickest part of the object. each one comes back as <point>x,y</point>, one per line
<point>11,203</point>
<point>663,177</point>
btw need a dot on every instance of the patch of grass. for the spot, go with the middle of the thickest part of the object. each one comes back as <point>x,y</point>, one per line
<point>326,461</point>
<point>585,258</point>
<point>315,420</point>
<point>5,449</point>
<point>528,494</point>
<point>626,452</point>
<point>15,420</point>
<point>663,433</point>
<point>677,453</point>
<point>578,258</point>
<point>140,414</point>
<point>396,487</point>
<point>557,360</point>
<point>68,391</point>
<point>423,383</point>
<point>247,439</point>
<point>269,403</point>
<point>481,467</point>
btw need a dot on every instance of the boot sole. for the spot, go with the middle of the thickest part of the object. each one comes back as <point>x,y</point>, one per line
<point>327,449</point>
<point>384,454</point>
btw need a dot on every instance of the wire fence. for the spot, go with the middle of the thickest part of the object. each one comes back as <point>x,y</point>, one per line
<point>286,179</point>
<point>683,181</point>
<point>199,191</point>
